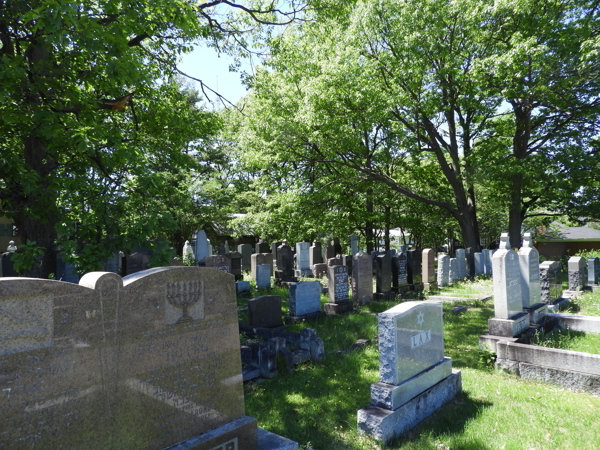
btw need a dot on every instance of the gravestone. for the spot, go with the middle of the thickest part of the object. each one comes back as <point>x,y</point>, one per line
<point>146,362</point>
<point>336,246</point>
<point>7,269</point>
<point>66,272</point>
<point>413,260</point>
<point>550,283</point>
<point>479,263</point>
<point>362,279</point>
<point>218,262</point>
<point>201,246</point>
<point>529,262</point>
<point>262,247</point>
<point>454,273</point>
<point>593,271</point>
<point>304,300</point>
<point>209,248</point>
<point>263,276</point>
<point>136,262</point>
<point>487,262</point>
<point>274,246</point>
<point>443,276</point>
<point>470,267</point>
<point>400,273</point>
<point>461,261</point>
<point>338,301</point>
<point>347,262</point>
<point>320,270</point>
<point>188,251</point>
<point>577,273</point>
<point>302,260</point>
<point>285,267</point>
<point>353,244</point>
<point>256,259</point>
<point>246,251</point>
<point>490,257</point>
<point>226,247</point>
<point>509,318</point>
<point>265,311</point>
<point>334,262</point>
<point>429,275</point>
<point>314,254</point>
<point>330,252</point>
<point>383,280</point>
<point>415,377</point>
<point>113,264</point>
<point>222,250</point>
<point>236,264</point>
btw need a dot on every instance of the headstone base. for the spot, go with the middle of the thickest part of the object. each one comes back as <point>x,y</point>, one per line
<point>401,289</point>
<point>417,287</point>
<point>272,441</point>
<point>302,318</point>
<point>508,327</point>
<point>242,431</point>
<point>430,286</point>
<point>389,396</point>
<point>337,308</point>
<point>537,313</point>
<point>303,273</point>
<point>384,425</point>
<point>389,295</point>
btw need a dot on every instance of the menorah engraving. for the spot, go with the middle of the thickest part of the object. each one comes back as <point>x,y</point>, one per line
<point>184,294</point>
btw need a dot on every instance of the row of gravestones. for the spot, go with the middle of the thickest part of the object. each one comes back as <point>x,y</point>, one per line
<point>465,264</point>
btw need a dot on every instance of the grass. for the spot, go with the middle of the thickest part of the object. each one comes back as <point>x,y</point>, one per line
<point>577,341</point>
<point>317,404</point>
<point>588,304</point>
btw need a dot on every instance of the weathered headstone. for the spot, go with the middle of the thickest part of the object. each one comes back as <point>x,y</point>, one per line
<point>236,264</point>
<point>263,276</point>
<point>413,260</point>
<point>461,261</point>
<point>429,275</point>
<point>509,318</point>
<point>221,250</point>
<point>470,267</point>
<point>415,377</point>
<point>454,272</point>
<point>479,263</point>
<point>362,279</point>
<point>550,283</point>
<point>487,262</point>
<point>347,262</point>
<point>218,262</point>
<point>353,244</point>
<point>338,301</point>
<point>304,300</point>
<point>330,252</point>
<point>320,270</point>
<point>302,260</point>
<point>336,246</point>
<point>246,251</point>
<point>383,280</point>
<point>314,254</point>
<point>529,262</point>
<point>443,276</point>
<point>265,311</point>
<point>285,267</point>
<point>262,247</point>
<point>274,246</point>
<point>257,259</point>
<point>577,273</point>
<point>334,262</point>
<point>201,250</point>
<point>593,271</point>
<point>151,360</point>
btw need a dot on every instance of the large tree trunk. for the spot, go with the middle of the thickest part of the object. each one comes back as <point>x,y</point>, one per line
<point>369,234</point>
<point>387,228</point>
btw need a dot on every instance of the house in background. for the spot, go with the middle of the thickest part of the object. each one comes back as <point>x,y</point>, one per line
<point>559,240</point>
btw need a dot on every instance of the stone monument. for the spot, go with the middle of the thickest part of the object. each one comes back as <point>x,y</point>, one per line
<point>429,275</point>
<point>302,260</point>
<point>362,279</point>
<point>265,311</point>
<point>577,273</point>
<point>443,276</point>
<point>461,261</point>
<point>529,262</point>
<point>383,281</point>
<point>263,276</point>
<point>304,301</point>
<point>338,301</point>
<point>593,271</point>
<point>246,251</point>
<point>400,273</point>
<point>413,259</point>
<point>550,283</point>
<point>218,262</point>
<point>257,259</point>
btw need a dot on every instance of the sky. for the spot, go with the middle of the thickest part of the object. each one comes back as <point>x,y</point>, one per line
<point>205,64</point>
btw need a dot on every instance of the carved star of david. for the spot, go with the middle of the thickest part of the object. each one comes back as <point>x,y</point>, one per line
<point>420,318</point>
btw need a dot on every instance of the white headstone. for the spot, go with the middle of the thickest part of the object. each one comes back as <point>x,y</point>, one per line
<point>529,262</point>
<point>508,300</point>
<point>461,262</point>
<point>302,258</point>
<point>443,270</point>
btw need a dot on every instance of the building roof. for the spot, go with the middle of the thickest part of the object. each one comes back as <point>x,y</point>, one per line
<point>559,233</point>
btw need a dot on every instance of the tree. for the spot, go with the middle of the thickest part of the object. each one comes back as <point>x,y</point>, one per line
<point>90,123</point>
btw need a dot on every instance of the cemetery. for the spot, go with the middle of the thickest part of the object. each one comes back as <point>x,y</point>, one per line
<point>299,225</point>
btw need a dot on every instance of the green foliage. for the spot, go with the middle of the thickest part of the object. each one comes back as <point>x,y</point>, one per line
<point>27,257</point>
<point>487,358</point>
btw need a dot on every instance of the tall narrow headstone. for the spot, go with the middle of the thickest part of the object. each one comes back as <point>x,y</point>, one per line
<point>428,265</point>
<point>285,268</point>
<point>347,262</point>
<point>400,273</point>
<point>236,264</point>
<point>263,276</point>
<point>257,259</point>
<point>593,271</point>
<point>336,246</point>
<point>362,278</point>
<point>314,254</point>
<point>262,247</point>
<point>453,275</point>
<point>461,261</point>
<point>470,268</point>
<point>353,244</point>
<point>246,251</point>
<point>487,262</point>
<point>330,252</point>
<point>208,248</point>
<point>415,377</point>
<point>550,283</point>
<point>529,262</point>
<point>413,259</point>
<point>443,276</point>
<point>509,318</point>
<point>577,273</point>
<point>302,260</point>
<point>383,285</point>
<point>479,263</point>
<point>274,246</point>
<point>201,250</point>
<point>338,301</point>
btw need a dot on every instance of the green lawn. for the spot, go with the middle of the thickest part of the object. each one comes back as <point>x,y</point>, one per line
<point>588,304</point>
<point>317,404</point>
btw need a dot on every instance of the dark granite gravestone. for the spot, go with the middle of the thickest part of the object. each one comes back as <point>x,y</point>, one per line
<point>218,262</point>
<point>383,284</point>
<point>7,266</point>
<point>593,271</point>
<point>64,271</point>
<point>413,262</point>
<point>147,361</point>
<point>262,247</point>
<point>330,252</point>
<point>334,262</point>
<point>400,273</point>
<point>320,270</point>
<point>336,246</point>
<point>274,246</point>
<point>236,264</point>
<point>265,311</point>
<point>347,262</point>
<point>246,251</point>
<point>314,254</point>
<point>136,262</point>
<point>362,278</point>
<point>338,301</point>
<point>550,283</point>
<point>221,250</point>
<point>261,258</point>
<point>470,262</point>
<point>285,267</point>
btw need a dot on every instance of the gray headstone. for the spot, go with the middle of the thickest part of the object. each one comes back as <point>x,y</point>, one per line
<point>593,271</point>
<point>218,262</point>
<point>257,259</point>
<point>347,262</point>
<point>246,251</point>
<point>201,250</point>
<point>453,274</point>
<point>461,261</point>
<point>508,300</point>
<point>302,259</point>
<point>399,270</point>
<point>487,262</point>
<point>362,278</point>
<point>314,254</point>
<point>577,273</point>
<point>7,265</point>
<point>550,283</point>
<point>338,284</point>
<point>428,266</point>
<point>236,264</point>
<point>479,263</point>
<point>285,265</point>
<point>305,298</point>
<point>66,272</point>
<point>353,244</point>
<point>320,270</point>
<point>470,270</point>
<point>443,276</point>
<point>136,262</point>
<point>384,274</point>
<point>263,276</point>
<point>265,311</point>
<point>334,262</point>
<point>529,262</point>
<point>262,247</point>
<point>274,246</point>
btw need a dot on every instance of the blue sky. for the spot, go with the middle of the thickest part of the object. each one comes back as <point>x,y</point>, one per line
<point>205,64</point>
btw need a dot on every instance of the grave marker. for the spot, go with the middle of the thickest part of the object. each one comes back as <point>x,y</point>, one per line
<point>577,273</point>
<point>429,275</point>
<point>246,251</point>
<point>265,311</point>
<point>338,290</point>
<point>454,272</point>
<point>593,271</point>
<point>479,263</point>
<point>262,246</point>
<point>263,276</point>
<point>303,260</point>
<point>257,259</point>
<point>362,278</point>
<point>314,254</point>
<point>529,262</point>
<point>383,281</point>
<point>443,270</point>
<point>550,283</point>
<point>461,261</point>
<point>305,299</point>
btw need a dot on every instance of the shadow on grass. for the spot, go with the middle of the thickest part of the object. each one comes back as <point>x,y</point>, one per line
<point>461,335</point>
<point>447,424</point>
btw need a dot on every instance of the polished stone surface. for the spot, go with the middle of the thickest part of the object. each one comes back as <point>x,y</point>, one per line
<point>362,278</point>
<point>479,263</point>
<point>529,263</point>
<point>246,251</point>
<point>413,259</point>
<point>593,270</point>
<point>142,362</point>
<point>411,339</point>
<point>263,276</point>
<point>305,297</point>
<point>399,270</point>
<point>338,284</point>
<point>314,254</point>
<point>383,265</point>
<point>265,311</point>
<point>508,300</point>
